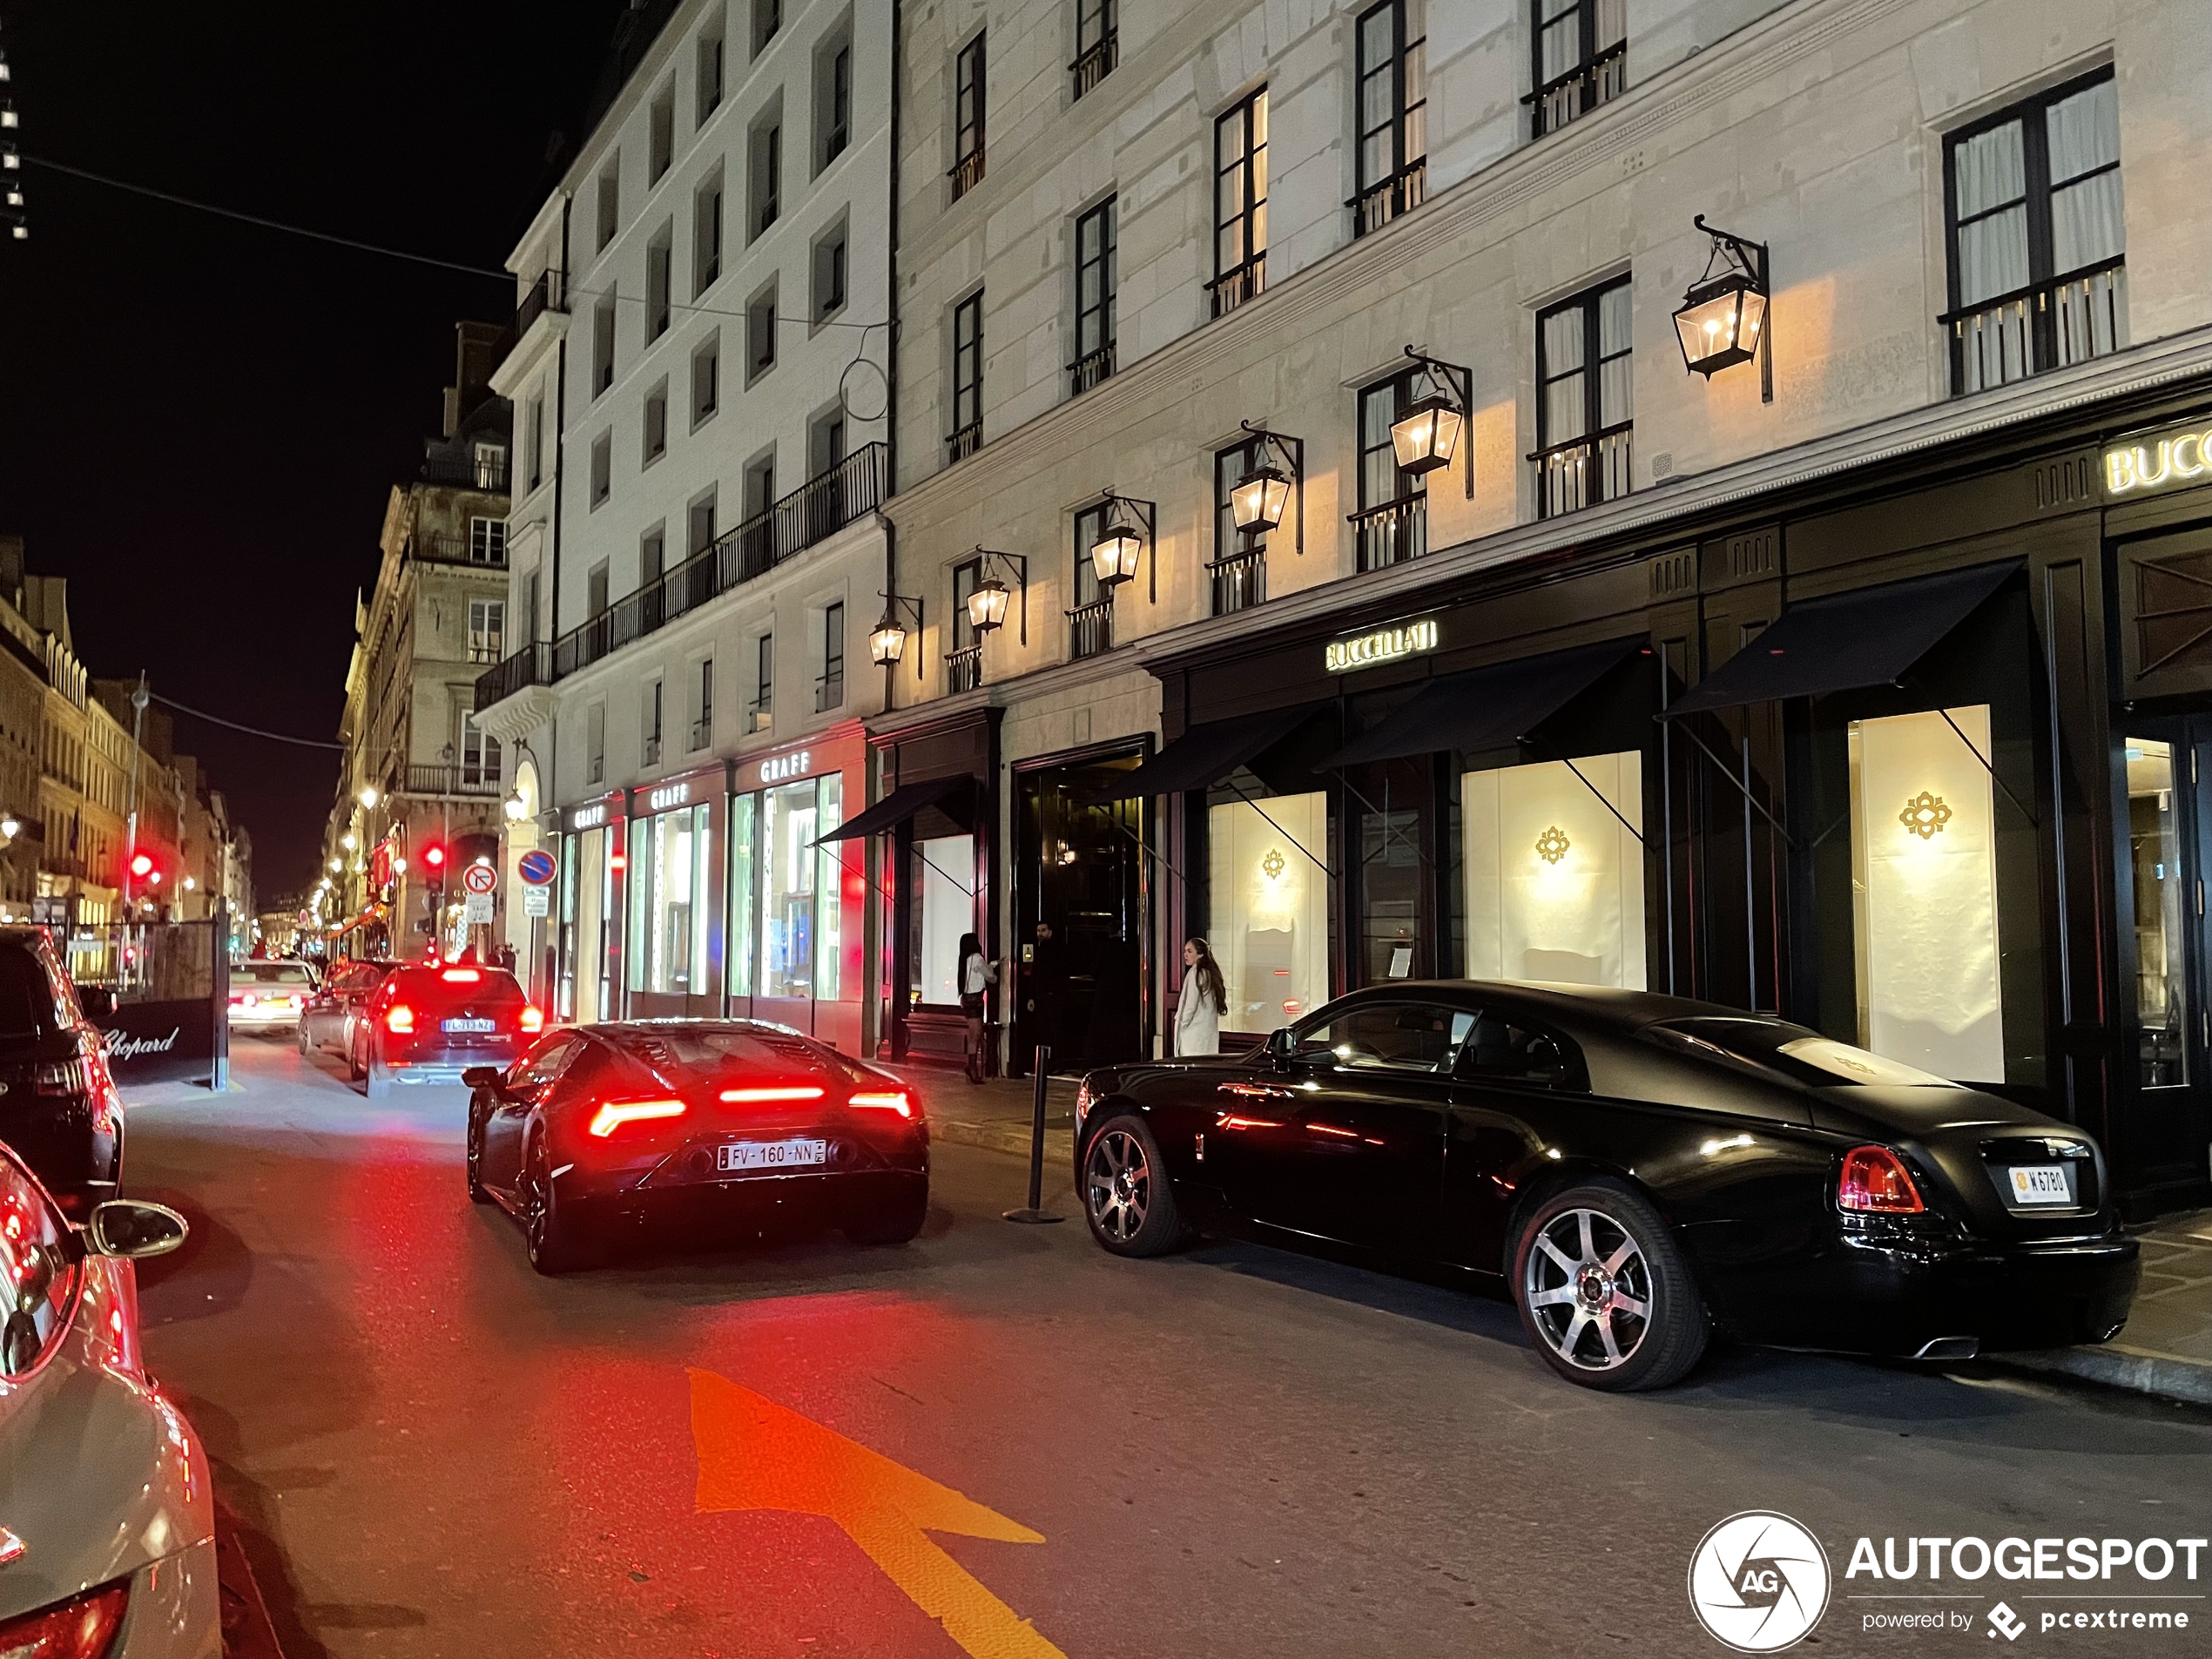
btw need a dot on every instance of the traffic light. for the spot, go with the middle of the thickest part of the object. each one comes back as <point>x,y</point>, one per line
<point>434,857</point>
<point>141,865</point>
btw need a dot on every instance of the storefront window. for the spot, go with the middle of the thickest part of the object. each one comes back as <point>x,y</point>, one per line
<point>1395,869</point>
<point>1554,872</point>
<point>564,1008</point>
<point>944,870</point>
<point>2162,982</point>
<point>1269,903</point>
<point>669,931</point>
<point>743,812</point>
<point>829,898</point>
<point>1925,889</point>
<point>800,899</point>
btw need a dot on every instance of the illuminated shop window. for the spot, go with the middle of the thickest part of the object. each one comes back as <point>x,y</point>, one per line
<point>1269,901</point>
<point>798,888</point>
<point>1924,865</point>
<point>944,867</point>
<point>668,952</point>
<point>2161,972</point>
<point>744,812</point>
<point>1554,879</point>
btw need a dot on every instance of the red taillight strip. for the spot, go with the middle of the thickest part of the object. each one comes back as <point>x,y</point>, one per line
<point>613,1114</point>
<point>758,1096</point>
<point>1875,1180</point>
<point>888,1100</point>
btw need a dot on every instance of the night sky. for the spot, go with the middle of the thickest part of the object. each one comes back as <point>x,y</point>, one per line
<point>202,419</point>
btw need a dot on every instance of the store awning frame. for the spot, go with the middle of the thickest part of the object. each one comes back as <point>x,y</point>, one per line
<point>1480,709</point>
<point>1205,754</point>
<point>895,808</point>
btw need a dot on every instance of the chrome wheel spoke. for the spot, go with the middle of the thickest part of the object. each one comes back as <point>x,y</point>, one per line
<point>1560,1297</point>
<point>1604,1323</point>
<point>1567,1264</point>
<point>1626,1252</point>
<point>1589,1246</point>
<point>1631,1305</point>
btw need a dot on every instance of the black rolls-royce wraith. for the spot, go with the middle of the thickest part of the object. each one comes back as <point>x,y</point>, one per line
<point>1638,1169</point>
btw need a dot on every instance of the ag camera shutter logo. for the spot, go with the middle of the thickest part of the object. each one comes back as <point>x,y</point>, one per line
<point>1758,1581</point>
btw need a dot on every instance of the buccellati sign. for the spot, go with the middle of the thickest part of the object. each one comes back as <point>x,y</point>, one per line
<point>2159,460</point>
<point>1383,645</point>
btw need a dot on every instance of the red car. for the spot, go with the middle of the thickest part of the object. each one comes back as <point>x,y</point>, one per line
<point>600,1124</point>
<point>428,1022</point>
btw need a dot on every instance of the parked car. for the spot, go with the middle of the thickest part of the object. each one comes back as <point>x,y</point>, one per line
<point>427,1023</point>
<point>269,995</point>
<point>598,1124</point>
<point>58,1107</point>
<point>1637,1171</point>
<point>107,1525</point>
<point>334,1011</point>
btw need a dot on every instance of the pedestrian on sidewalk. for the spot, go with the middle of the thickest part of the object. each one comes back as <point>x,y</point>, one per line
<point>1039,986</point>
<point>1204,1000</point>
<point>977,974</point>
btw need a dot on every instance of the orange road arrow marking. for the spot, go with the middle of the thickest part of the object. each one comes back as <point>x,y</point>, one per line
<point>756,1454</point>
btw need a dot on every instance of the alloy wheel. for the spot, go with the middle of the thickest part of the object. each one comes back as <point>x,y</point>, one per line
<point>1588,1290</point>
<point>1117,1182</point>
<point>538,1201</point>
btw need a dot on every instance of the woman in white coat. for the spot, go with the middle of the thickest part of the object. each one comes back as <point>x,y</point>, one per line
<point>1204,1000</point>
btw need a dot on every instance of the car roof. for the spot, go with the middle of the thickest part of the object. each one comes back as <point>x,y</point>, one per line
<point>1605,1006</point>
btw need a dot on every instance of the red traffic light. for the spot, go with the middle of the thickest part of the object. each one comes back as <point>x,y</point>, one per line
<point>434,857</point>
<point>141,865</point>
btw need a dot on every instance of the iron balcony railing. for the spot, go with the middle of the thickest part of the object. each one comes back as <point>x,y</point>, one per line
<point>760,714</point>
<point>1239,283</point>
<point>483,648</point>
<point>963,441</point>
<point>1090,628</point>
<point>1095,61</point>
<point>812,513</point>
<point>1391,533</point>
<point>703,732</point>
<point>1582,88</point>
<point>968,172</point>
<point>594,771</point>
<point>458,549</point>
<point>531,666</point>
<point>1239,581</point>
<point>1386,198</point>
<point>468,778</point>
<point>653,750</point>
<point>963,669</point>
<point>548,293</point>
<point>1584,471</point>
<point>486,470</point>
<point>1090,368</point>
<point>2049,324</point>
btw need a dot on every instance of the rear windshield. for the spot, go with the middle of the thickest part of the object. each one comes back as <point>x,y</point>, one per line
<point>26,993</point>
<point>478,984</point>
<point>271,973</point>
<point>706,1051</point>
<point>1792,1053</point>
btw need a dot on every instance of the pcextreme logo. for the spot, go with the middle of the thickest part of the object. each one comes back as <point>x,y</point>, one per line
<point>1758,1581</point>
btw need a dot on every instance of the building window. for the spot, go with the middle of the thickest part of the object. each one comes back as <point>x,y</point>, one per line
<point>944,909</point>
<point>1582,59</point>
<point>710,87</point>
<point>2038,240</point>
<point>800,885</point>
<point>764,683</point>
<point>1392,524</point>
<point>651,748</point>
<point>964,663</point>
<point>660,134</point>
<point>765,171</point>
<point>602,346</point>
<point>487,630</point>
<point>479,752</point>
<point>698,535</point>
<point>1094,298</point>
<point>833,96</point>
<point>595,743</point>
<point>1098,45</point>
<point>825,442</point>
<point>491,466</point>
<point>967,119</point>
<point>767,18</point>
<point>609,201</point>
<point>703,706</point>
<point>829,272</point>
<point>487,540</point>
<point>1268,898</point>
<point>1554,871</point>
<point>602,467</point>
<point>1240,204</point>
<point>534,439</point>
<point>1584,400</point>
<point>594,589</point>
<point>652,556</point>
<point>968,377</point>
<point>671,858</point>
<point>656,423</point>
<point>1090,619</point>
<point>829,690</point>
<point>706,379</point>
<point>706,235</point>
<point>1239,567</point>
<point>1394,112</point>
<point>760,486</point>
<point>760,335</point>
<point>657,283</point>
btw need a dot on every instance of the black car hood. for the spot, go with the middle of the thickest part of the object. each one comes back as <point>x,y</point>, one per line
<point>1919,1112</point>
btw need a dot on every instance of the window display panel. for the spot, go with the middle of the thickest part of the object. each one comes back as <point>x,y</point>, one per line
<point>565,1002</point>
<point>2162,974</point>
<point>669,935</point>
<point>744,812</point>
<point>945,909</point>
<point>1925,861</point>
<point>590,947</point>
<point>1554,879</point>
<point>829,871</point>
<point>788,880</point>
<point>1269,904</point>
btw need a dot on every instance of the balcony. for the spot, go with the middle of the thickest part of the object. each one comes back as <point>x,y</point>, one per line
<point>486,470</point>
<point>963,669</point>
<point>963,441</point>
<point>1239,581</point>
<point>1583,471</point>
<point>1096,62</point>
<point>968,172</point>
<point>653,750</point>
<point>1239,283</point>
<point>549,292</point>
<point>1582,88</point>
<point>469,779</point>
<point>1090,629</point>
<point>760,714</point>
<point>702,732</point>
<point>484,648</point>
<point>1387,198</point>
<point>2046,326</point>
<point>458,549</point>
<point>1090,368</point>
<point>1393,533</point>
<point>532,665</point>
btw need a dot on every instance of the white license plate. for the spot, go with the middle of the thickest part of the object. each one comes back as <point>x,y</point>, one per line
<point>2040,1184</point>
<point>769,1155</point>
<point>478,1026</point>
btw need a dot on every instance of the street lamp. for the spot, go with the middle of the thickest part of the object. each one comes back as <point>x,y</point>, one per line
<point>888,641</point>
<point>516,807</point>
<point>1127,524</point>
<point>11,827</point>
<point>368,798</point>
<point>1721,321</point>
<point>986,605</point>
<point>348,841</point>
<point>1426,435</point>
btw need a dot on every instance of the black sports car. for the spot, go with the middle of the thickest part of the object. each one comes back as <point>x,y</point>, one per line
<point>1637,1169</point>
<point>598,1124</point>
<point>59,1110</point>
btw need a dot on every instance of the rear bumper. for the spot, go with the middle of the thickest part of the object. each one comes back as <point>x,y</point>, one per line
<point>428,1064</point>
<point>836,1194</point>
<point>258,1018</point>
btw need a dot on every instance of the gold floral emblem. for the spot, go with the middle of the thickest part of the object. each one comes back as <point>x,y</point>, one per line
<point>1924,815</point>
<point>1552,844</point>
<point>1274,863</point>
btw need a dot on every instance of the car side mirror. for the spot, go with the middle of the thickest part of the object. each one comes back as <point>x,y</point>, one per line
<point>1281,1045</point>
<point>484,1077</point>
<point>97,1000</point>
<point>134,1229</point>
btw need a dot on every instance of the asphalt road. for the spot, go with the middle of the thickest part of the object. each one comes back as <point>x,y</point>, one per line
<point>1235,1451</point>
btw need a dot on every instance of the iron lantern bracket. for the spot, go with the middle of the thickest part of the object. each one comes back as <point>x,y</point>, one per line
<point>1750,257</point>
<point>1293,453</point>
<point>1149,513</point>
<point>1459,382</point>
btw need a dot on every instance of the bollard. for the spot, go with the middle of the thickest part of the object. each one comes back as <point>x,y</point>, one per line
<point>1035,1213</point>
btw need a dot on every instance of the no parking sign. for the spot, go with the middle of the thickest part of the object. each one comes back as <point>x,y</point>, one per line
<point>536,867</point>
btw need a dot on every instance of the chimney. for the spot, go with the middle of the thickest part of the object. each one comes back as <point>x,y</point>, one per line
<point>478,348</point>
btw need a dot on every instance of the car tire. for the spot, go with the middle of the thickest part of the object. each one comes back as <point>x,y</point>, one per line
<point>356,1068</point>
<point>1128,1199</point>
<point>555,1240</point>
<point>379,1075</point>
<point>303,1039</point>
<point>477,1193</point>
<point>894,1223</point>
<point>1604,1293</point>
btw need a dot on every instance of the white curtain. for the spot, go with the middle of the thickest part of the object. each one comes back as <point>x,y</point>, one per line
<point>2087,225</point>
<point>1988,170</point>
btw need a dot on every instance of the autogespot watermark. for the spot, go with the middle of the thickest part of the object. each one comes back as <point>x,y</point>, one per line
<point>1758,1581</point>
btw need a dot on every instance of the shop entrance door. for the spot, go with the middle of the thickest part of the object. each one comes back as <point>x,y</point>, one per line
<point>1079,869</point>
<point>2168,1138</point>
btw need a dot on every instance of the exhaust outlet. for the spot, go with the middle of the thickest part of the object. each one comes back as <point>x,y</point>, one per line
<point>1950,1348</point>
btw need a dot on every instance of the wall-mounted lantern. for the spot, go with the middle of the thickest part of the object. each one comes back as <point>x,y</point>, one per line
<point>987,601</point>
<point>1120,547</point>
<point>887,640</point>
<point>1721,321</point>
<point>1426,436</point>
<point>1256,501</point>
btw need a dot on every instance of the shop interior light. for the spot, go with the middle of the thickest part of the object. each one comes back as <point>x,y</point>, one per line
<point>1722,319</point>
<point>1426,438</point>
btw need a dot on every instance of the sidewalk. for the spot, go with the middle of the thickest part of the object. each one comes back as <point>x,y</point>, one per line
<point>997,1114</point>
<point>2166,1348</point>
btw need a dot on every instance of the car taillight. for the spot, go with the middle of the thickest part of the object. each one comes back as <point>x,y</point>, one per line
<point>238,997</point>
<point>533,1017</point>
<point>83,1627</point>
<point>888,1100</point>
<point>399,1017</point>
<point>1875,1179</point>
<point>613,1114</point>
<point>75,1076</point>
<point>763,1096</point>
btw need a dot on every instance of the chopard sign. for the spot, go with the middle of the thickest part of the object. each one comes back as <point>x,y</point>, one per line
<point>124,1045</point>
<point>1383,645</point>
<point>2165,462</point>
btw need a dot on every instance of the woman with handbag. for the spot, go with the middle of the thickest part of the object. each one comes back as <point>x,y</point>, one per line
<point>977,974</point>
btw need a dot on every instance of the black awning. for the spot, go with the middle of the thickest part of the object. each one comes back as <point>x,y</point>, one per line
<point>1486,708</point>
<point>1847,641</point>
<point>895,808</point>
<point>1205,754</point>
